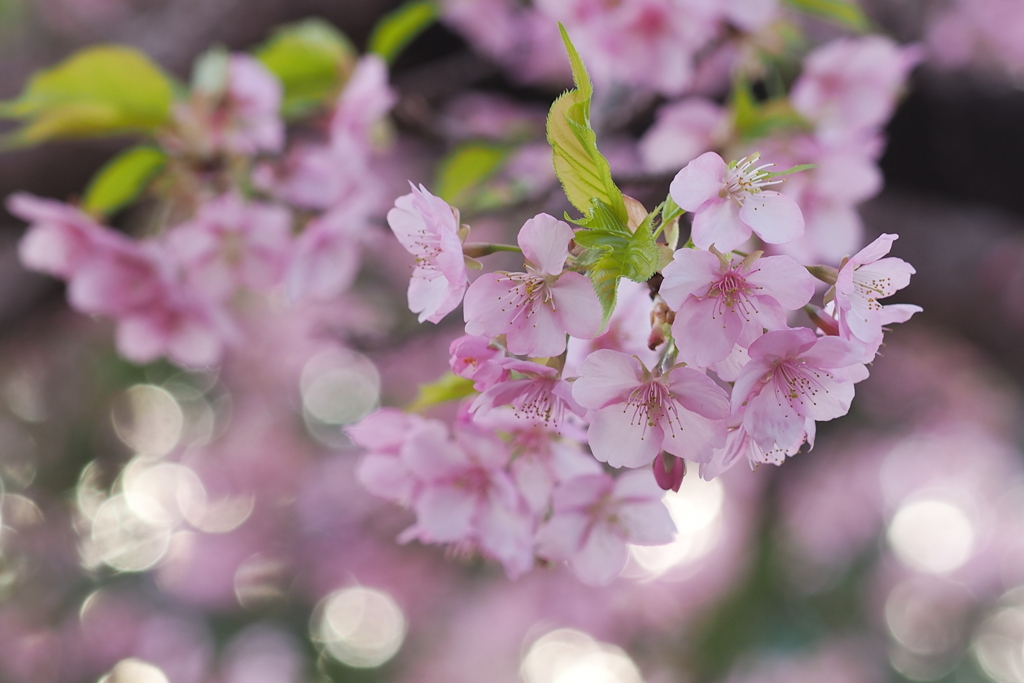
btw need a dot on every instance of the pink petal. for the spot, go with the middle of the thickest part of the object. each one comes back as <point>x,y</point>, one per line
<point>783,279</point>
<point>607,376</point>
<point>622,439</point>
<point>601,559</point>
<point>545,243</point>
<point>718,223</point>
<point>445,514</point>
<point>577,308</point>
<point>691,272</point>
<point>698,182</point>
<point>774,217</point>
<point>701,337</point>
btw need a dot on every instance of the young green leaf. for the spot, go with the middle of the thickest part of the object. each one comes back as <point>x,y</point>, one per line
<point>448,387</point>
<point>397,29</point>
<point>580,167</point>
<point>122,179</point>
<point>312,60</point>
<point>841,12</point>
<point>101,90</point>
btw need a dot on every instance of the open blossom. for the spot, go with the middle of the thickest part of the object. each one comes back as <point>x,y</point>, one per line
<point>476,359</point>
<point>539,394</point>
<point>740,445</point>
<point>720,301</point>
<point>634,415</point>
<point>231,243</point>
<point>593,519</point>
<point>729,201</point>
<point>428,228</point>
<point>465,495</point>
<point>535,309</point>
<point>794,375</point>
<point>864,279</point>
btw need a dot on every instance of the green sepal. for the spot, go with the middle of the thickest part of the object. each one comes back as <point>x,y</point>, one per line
<point>312,59</point>
<point>398,28</point>
<point>580,167</point>
<point>448,387</point>
<point>101,90</point>
<point>122,179</point>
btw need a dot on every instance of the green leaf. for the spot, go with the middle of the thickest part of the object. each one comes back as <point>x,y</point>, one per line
<point>464,171</point>
<point>448,387</point>
<point>122,179</point>
<point>612,252</point>
<point>312,59</point>
<point>101,90</point>
<point>580,167</point>
<point>397,29</point>
<point>754,120</point>
<point>841,12</point>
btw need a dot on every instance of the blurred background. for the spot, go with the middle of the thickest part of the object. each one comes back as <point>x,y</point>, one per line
<point>169,526</point>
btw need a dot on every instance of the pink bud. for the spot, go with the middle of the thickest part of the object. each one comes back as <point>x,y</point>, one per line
<point>669,471</point>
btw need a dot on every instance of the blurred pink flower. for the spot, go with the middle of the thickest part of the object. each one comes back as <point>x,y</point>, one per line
<point>681,132</point>
<point>595,516</point>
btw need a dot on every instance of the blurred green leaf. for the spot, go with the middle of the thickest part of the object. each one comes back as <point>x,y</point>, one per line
<point>122,179</point>
<point>397,29</point>
<point>754,120</point>
<point>101,90</point>
<point>449,387</point>
<point>312,59</point>
<point>841,12</point>
<point>463,172</point>
<point>580,167</point>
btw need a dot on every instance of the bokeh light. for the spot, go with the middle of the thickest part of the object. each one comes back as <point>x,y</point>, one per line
<point>571,656</point>
<point>360,627</point>
<point>134,671</point>
<point>932,535</point>
<point>148,420</point>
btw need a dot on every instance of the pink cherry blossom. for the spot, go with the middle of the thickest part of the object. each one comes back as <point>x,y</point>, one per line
<point>862,281</point>
<point>593,519</point>
<point>851,84</point>
<point>635,415</point>
<point>382,470</point>
<point>721,301</point>
<point>465,495</point>
<point>729,201</point>
<point>253,103</point>
<point>792,376</point>
<point>538,394</point>
<point>60,238</point>
<point>231,243</point>
<point>477,359</point>
<point>327,254</point>
<point>681,132</point>
<point>739,444</point>
<point>428,228</point>
<point>361,106</point>
<point>535,309</point>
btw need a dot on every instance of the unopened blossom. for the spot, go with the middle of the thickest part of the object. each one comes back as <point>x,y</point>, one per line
<point>428,228</point>
<point>728,201</point>
<point>794,375</point>
<point>721,301</point>
<point>476,358</point>
<point>864,279</point>
<point>537,393</point>
<point>232,244</point>
<point>535,309</point>
<point>635,414</point>
<point>593,519</point>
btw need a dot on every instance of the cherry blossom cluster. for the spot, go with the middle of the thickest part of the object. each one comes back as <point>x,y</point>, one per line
<point>711,373</point>
<point>245,213</point>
